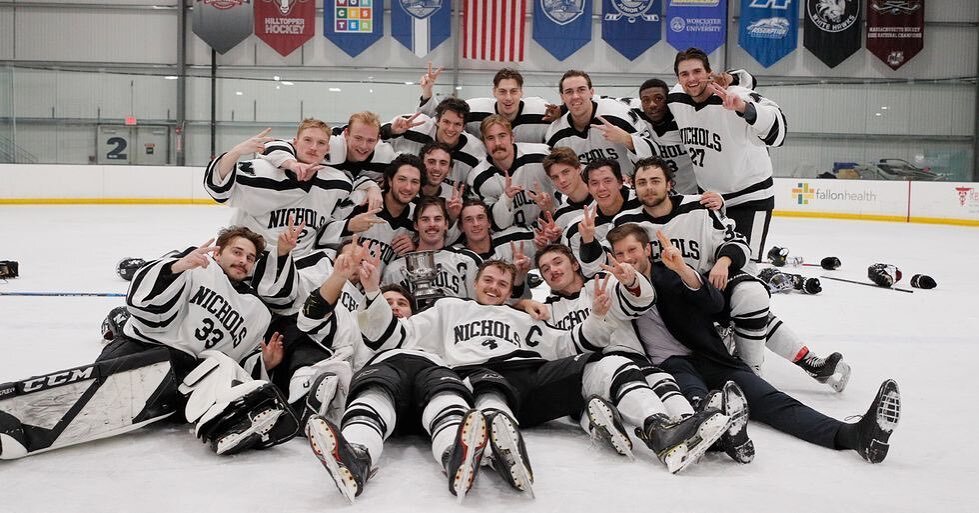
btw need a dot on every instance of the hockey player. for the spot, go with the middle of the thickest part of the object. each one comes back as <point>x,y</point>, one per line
<point>194,319</point>
<point>438,165</point>
<point>526,371</point>
<point>456,267</point>
<point>514,244</point>
<point>709,244</point>
<point>679,336</point>
<point>410,134</point>
<point>388,229</point>
<point>727,133</point>
<point>511,176</point>
<point>265,196</point>
<point>605,184</point>
<point>577,129</point>
<point>571,191</point>
<point>527,115</point>
<point>398,391</point>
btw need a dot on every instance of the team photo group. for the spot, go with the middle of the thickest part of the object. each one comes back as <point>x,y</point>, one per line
<point>465,272</point>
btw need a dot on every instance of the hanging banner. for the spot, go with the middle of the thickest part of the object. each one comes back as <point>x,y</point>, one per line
<point>895,30</point>
<point>421,25</point>
<point>493,30</point>
<point>562,27</point>
<point>353,25</point>
<point>285,25</point>
<point>222,24</point>
<point>768,29</point>
<point>631,26</point>
<point>696,24</point>
<point>832,29</point>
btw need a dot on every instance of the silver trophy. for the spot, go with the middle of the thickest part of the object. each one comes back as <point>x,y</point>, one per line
<point>421,271</point>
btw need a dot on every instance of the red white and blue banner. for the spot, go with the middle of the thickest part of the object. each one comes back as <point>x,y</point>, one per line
<point>696,24</point>
<point>493,30</point>
<point>768,29</point>
<point>353,25</point>
<point>222,24</point>
<point>562,27</point>
<point>285,25</point>
<point>631,26</point>
<point>421,25</point>
<point>895,30</point>
<point>832,29</point>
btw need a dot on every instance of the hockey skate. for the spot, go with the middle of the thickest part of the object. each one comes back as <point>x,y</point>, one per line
<point>680,444</point>
<point>321,392</point>
<point>509,455</point>
<point>876,426</point>
<point>605,423</point>
<point>348,464</point>
<point>735,441</point>
<point>461,461</point>
<point>831,370</point>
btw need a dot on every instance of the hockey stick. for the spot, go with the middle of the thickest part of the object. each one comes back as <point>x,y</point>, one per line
<point>63,294</point>
<point>899,289</point>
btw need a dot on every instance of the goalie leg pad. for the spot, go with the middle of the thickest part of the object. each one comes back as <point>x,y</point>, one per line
<point>82,404</point>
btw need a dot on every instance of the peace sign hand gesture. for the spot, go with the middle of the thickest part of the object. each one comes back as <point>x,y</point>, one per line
<point>601,302</point>
<point>520,260</point>
<point>586,227</point>
<point>454,205</point>
<point>623,272</point>
<point>509,188</point>
<point>669,254</point>
<point>194,259</point>
<point>401,125</point>
<point>544,200</point>
<point>254,144</point>
<point>289,237</point>
<point>731,100</point>
<point>427,81</point>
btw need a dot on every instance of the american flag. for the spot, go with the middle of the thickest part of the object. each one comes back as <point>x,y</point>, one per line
<point>493,30</point>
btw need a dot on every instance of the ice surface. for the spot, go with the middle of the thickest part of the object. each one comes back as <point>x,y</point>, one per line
<point>927,341</point>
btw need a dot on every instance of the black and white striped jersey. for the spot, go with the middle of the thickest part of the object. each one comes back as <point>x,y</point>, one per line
<point>591,144</point>
<point>603,223</point>
<point>729,153</point>
<point>265,197</point>
<point>528,127</point>
<point>702,235</point>
<point>487,181</point>
<point>466,154</point>
<point>379,236</point>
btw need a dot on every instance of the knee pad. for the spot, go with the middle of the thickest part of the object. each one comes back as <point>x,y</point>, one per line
<point>612,377</point>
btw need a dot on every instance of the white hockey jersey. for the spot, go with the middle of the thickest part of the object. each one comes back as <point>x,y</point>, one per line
<point>591,144</point>
<point>456,272</point>
<point>466,154</point>
<point>702,235</point>
<point>379,235</point>
<point>465,332</point>
<point>487,181</point>
<point>568,210</point>
<point>729,154</point>
<point>528,127</point>
<point>361,174</point>
<point>568,311</point>
<point>603,223</point>
<point>265,196</point>
<point>197,309</point>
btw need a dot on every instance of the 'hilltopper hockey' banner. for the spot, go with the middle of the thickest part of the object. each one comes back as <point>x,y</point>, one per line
<point>696,23</point>
<point>562,27</point>
<point>421,25</point>
<point>353,25</point>
<point>222,24</point>
<point>832,29</point>
<point>768,29</point>
<point>285,25</point>
<point>631,26</point>
<point>895,30</point>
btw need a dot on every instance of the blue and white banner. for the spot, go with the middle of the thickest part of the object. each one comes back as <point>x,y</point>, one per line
<point>631,26</point>
<point>696,23</point>
<point>421,25</point>
<point>353,25</point>
<point>768,29</point>
<point>562,27</point>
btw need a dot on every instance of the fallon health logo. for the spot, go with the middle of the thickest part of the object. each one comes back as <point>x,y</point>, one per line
<point>805,194</point>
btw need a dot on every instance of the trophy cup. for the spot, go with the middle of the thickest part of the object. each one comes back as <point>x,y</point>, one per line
<point>421,271</point>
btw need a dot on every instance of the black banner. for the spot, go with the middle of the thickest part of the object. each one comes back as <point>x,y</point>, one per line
<point>832,29</point>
